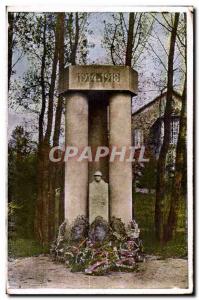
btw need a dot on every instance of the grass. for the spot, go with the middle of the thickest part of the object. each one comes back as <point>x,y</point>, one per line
<point>20,247</point>
<point>144,207</point>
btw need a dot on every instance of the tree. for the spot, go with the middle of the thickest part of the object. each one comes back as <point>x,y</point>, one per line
<point>10,45</point>
<point>44,209</point>
<point>22,181</point>
<point>130,39</point>
<point>177,190</point>
<point>46,45</point>
<point>46,193</point>
<point>56,171</point>
<point>161,178</point>
<point>180,162</point>
<point>124,43</point>
<point>13,55</point>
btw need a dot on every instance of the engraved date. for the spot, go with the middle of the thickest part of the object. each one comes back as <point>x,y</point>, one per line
<point>99,77</point>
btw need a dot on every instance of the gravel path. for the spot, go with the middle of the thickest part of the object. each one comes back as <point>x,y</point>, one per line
<point>41,272</point>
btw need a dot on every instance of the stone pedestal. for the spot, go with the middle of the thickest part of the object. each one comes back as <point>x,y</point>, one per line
<point>98,200</point>
<point>76,172</point>
<point>120,172</point>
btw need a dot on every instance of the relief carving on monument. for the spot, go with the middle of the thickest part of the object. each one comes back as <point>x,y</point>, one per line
<point>98,198</point>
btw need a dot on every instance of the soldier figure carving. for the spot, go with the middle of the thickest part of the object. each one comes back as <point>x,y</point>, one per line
<point>98,198</point>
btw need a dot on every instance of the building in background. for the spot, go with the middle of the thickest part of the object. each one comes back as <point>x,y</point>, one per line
<point>148,131</point>
<point>148,123</point>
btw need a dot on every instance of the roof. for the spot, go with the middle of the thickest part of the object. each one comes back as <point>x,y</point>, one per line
<point>154,100</point>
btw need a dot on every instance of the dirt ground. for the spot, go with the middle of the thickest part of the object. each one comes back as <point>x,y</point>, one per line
<point>41,272</point>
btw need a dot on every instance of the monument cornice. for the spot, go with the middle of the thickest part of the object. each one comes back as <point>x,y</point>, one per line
<point>99,78</point>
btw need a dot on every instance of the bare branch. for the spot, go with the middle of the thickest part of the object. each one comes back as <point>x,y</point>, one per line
<point>169,25</point>
<point>138,25</point>
<point>18,59</point>
<point>183,55</point>
<point>181,42</point>
<point>158,57</point>
<point>161,23</point>
<point>160,42</point>
<point>122,28</point>
<point>143,44</point>
<point>124,22</point>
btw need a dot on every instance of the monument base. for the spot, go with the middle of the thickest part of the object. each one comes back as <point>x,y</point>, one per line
<point>100,248</point>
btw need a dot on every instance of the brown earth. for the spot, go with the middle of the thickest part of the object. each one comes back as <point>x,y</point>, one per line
<point>42,272</point>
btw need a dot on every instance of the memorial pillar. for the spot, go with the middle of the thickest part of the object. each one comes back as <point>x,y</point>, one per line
<point>76,172</point>
<point>120,172</point>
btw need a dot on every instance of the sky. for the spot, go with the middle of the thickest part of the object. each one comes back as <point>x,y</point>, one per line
<point>98,55</point>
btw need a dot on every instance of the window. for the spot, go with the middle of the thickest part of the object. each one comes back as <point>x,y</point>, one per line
<point>138,137</point>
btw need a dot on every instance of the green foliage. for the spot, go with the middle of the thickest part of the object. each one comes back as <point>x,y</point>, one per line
<point>148,178</point>
<point>116,36</point>
<point>26,91</point>
<point>12,208</point>
<point>24,247</point>
<point>21,183</point>
<point>176,248</point>
<point>144,207</point>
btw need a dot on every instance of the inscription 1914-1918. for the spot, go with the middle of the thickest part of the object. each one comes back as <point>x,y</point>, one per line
<point>99,77</point>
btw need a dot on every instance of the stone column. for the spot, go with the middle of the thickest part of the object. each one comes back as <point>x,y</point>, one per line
<point>120,173</point>
<point>76,172</point>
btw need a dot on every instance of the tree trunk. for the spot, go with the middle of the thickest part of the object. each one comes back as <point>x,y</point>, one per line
<point>52,85</point>
<point>177,190</point>
<point>56,168</point>
<point>61,69</point>
<point>129,47</point>
<point>45,207</point>
<point>75,44</point>
<point>38,226</point>
<point>161,178</point>
<point>10,45</point>
<point>43,88</point>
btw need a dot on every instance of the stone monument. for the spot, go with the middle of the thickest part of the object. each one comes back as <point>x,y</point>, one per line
<point>98,113</point>
<point>98,198</point>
